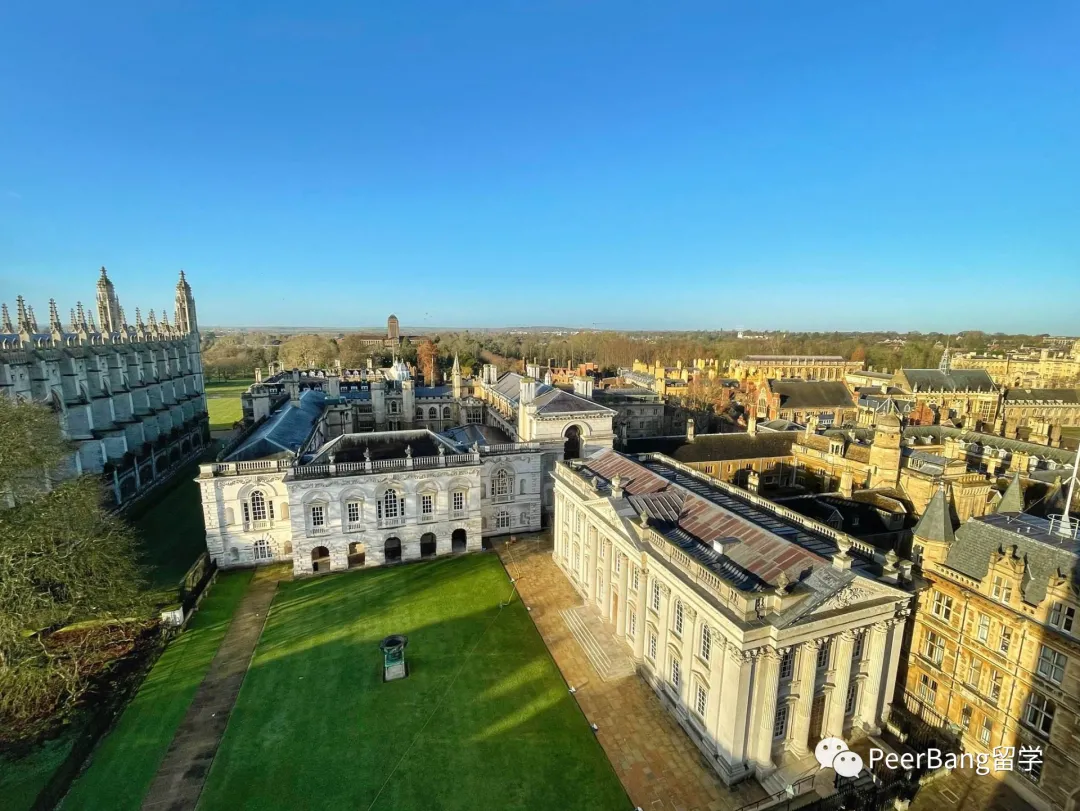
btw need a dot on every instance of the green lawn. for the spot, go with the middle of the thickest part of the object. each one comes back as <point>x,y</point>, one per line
<point>124,763</point>
<point>483,721</point>
<point>22,780</point>
<point>223,402</point>
<point>169,524</point>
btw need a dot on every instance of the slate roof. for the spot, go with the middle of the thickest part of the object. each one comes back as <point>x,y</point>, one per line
<point>548,399</point>
<point>936,523</point>
<point>718,447</point>
<point>937,433</point>
<point>798,358</point>
<point>955,380</point>
<point>811,393</point>
<point>693,515</point>
<point>1013,500</point>
<point>468,435</point>
<point>381,445</point>
<point>284,431</point>
<point>1045,554</point>
<point>1070,396</point>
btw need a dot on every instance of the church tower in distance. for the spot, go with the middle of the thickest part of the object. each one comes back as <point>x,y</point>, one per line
<point>185,307</point>
<point>108,306</point>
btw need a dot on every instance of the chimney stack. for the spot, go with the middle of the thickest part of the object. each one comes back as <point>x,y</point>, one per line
<point>690,429</point>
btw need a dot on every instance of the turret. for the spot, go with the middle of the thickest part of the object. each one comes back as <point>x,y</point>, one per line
<point>108,305</point>
<point>934,532</point>
<point>455,378</point>
<point>885,453</point>
<point>186,321</point>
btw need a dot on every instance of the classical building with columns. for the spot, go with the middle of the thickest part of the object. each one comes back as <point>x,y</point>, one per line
<point>761,630</point>
<point>129,396</point>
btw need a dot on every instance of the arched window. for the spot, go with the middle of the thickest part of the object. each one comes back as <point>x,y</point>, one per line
<point>501,485</point>
<point>391,507</point>
<point>446,412</point>
<point>258,506</point>
<point>433,413</point>
<point>393,407</point>
<point>419,413</point>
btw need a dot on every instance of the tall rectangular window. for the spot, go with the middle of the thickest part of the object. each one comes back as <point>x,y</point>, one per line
<point>1006,640</point>
<point>780,721</point>
<point>633,622</point>
<point>676,673</point>
<point>706,642</point>
<point>823,654</point>
<point>995,687</point>
<point>701,700</point>
<point>636,578</point>
<point>984,628</point>
<point>655,596</point>
<point>974,672</point>
<point>427,504</point>
<point>1001,589</point>
<point>857,645</point>
<point>652,646</point>
<point>318,515</point>
<point>787,664</point>
<point>678,625</point>
<point>852,699</point>
<point>459,501</point>
<point>986,731</point>
<point>352,511</point>
<point>927,689</point>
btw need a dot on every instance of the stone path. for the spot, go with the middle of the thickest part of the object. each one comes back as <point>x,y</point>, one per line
<point>181,775</point>
<point>655,760</point>
<point>965,790</point>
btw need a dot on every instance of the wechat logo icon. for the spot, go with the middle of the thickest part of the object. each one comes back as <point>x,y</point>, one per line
<point>833,753</point>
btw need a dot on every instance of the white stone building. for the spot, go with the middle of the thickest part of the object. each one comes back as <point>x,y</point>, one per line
<point>566,425</point>
<point>129,396</point>
<point>761,630</point>
<point>287,491</point>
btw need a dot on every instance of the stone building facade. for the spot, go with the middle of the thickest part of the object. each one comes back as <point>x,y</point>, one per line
<point>804,367</point>
<point>362,499</point>
<point>996,643</point>
<point>760,641</point>
<point>129,396</point>
<point>566,425</point>
<point>1036,368</point>
<point>962,397</point>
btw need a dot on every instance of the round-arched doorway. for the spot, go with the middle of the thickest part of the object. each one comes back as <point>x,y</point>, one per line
<point>392,550</point>
<point>572,445</point>
<point>320,559</point>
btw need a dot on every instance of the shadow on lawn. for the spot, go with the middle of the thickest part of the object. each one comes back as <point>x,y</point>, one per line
<point>484,719</point>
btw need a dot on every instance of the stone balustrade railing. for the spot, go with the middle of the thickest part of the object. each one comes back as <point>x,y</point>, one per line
<point>344,469</point>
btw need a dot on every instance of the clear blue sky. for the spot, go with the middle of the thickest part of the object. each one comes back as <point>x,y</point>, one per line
<point>763,163</point>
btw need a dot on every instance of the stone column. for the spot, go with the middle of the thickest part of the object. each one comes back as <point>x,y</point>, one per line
<point>895,638</point>
<point>766,682</point>
<point>733,707</point>
<point>664,621</point>
<point>717,657</point>
<point>624,603</point>
<point>639,613</point>
<point>592,554</point>
<point>803,685</point>
<point>838,679</point>
<point>609,577</point>
<point>687,651</point>
<point>874,665</point>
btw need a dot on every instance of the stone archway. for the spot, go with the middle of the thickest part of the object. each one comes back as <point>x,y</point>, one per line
<point>572,444</point>
<point>392,550</point>
<point>357,552</point>
<point>427,545</point>
<point>320,559</point>
<point>458,541</point>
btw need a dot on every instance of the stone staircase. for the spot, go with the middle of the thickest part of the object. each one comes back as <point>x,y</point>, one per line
<point>605,653</point>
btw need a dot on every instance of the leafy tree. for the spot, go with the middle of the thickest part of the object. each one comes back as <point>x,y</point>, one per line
<point>354,351</point>
<point>63,560</point>
<point>859,353</point>
<point>426,355</point>
<point>307,352</point>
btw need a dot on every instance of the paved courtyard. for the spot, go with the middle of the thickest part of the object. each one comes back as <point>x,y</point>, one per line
<point>659,766</point>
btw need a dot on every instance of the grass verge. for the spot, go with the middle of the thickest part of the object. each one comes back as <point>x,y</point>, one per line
<point>123,765</point>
